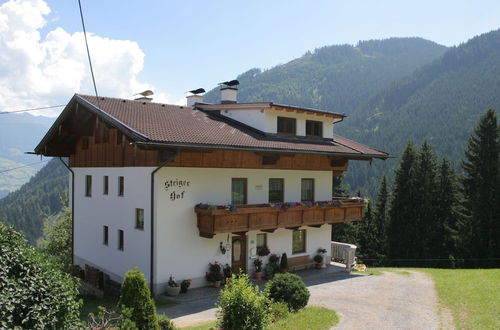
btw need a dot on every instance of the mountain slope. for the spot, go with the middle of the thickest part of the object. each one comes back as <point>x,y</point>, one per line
<point>441,102</point>
<point>43,195</point>
<point>336,78</point>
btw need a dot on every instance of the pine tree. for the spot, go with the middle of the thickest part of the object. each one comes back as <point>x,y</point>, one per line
<point>481,230</point>
<point>444,238</point>
<point>402,231</point>
<point>381,220</point>
<point>426,191</point>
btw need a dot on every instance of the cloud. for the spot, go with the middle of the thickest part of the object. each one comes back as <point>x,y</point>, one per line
<point>36,71</point>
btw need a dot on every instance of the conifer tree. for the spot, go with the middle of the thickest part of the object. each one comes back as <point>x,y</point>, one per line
<point>402,230</point>
<point>481,230</point>
<point>380,219</point>
<point>425,207</point>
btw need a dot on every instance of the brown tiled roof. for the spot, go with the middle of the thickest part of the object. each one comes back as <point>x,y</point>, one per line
<point>162,124</point>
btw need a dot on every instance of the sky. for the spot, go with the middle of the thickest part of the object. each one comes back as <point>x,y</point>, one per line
<point>175,46</point>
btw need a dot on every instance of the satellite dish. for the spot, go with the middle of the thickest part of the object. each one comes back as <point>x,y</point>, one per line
<point>197,91</point>
<point>145,93</point>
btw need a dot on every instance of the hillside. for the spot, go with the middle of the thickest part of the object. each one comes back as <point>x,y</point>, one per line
<point>13,175</point>
<point>337,78</point>
<point>440,102</point>
<point>42,195</point>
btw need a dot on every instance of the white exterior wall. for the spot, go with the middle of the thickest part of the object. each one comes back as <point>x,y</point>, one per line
<point>184,254</point>
<point>267,120</point>
<point>272,122</point>
<point>254,118</point>
<point>117,212</point>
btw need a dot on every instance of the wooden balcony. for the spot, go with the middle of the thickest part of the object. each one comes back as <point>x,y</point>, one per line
<point>268,218</point>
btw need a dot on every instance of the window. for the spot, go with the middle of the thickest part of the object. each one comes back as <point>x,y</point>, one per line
<point>307,190</point>
<point>85,143</point>
<point>139,219</point>
<point>239,191</point>
<point>88,185</point>
<point>276,190</point>
<point>105,185</point>
<point>119,137</point>
<point>314,128</point>
<point>261,241</point>
<point>120,239</point>
<point>299,241</point>
<point>121,185</point>
<point>287,126</point>
<point>105,231</point>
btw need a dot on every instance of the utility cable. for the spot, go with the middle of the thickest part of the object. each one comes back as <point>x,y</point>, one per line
<point>25,165</point>
<point>33,109</point>
<point>88,51</point>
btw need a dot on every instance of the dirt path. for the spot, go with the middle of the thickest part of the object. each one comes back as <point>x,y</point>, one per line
<point>390,301</point>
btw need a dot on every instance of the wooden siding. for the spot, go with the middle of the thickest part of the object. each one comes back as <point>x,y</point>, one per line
<point>111,154</point>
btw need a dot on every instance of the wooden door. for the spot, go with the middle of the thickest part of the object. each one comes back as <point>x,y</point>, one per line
<point>239,254</point>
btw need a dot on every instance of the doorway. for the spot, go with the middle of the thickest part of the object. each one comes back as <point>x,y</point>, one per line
<point>239,254</point>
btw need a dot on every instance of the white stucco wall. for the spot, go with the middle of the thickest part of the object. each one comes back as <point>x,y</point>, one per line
<point>117,212</point>
<point>180,251</point>
<point>267,120</point>
<point>184,254</point>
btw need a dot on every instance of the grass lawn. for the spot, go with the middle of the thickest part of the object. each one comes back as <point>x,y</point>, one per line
<point>90,304</point>
<point>472,295</point>
<point>311,317</point>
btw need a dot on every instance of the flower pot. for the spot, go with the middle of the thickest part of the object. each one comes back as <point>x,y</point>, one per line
<point>269,277</point>
<point>284,270</point>
<point>258,276</point>
<point>217,284</point>
<point>173,291</point>
<point>318,266</point>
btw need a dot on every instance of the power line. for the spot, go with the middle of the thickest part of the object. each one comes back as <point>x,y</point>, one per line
<point>88,51</point>
<point>25,165</point>
<point>32,109</point>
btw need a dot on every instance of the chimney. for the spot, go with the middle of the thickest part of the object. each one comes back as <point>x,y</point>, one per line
<point>192,99</point>
<point>228,94</point>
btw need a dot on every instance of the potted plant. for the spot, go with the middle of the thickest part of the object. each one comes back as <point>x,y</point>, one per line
<point>273,259</point>
<point>263,251</point>
<point>258,269</point>
<point>323,253</point>
<point>318,259</point>
<point>214,275</point>
<point>269,271</point>
<point>284,263</point>
<point>185,285</point>
<point>227,273</point>
<point>173,288</point>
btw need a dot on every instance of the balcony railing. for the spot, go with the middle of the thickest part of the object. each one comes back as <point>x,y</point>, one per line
<point>269,217</point>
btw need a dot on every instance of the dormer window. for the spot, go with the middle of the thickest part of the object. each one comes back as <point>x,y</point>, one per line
<point>287,126</point>
<point>314,128</point>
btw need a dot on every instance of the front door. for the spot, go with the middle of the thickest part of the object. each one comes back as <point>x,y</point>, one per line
<point>239,254</point>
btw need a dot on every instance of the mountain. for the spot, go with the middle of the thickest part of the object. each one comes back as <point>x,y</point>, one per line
<point>440,102</point>
<point>19,132</point>
<point>337,78</point>
<point>43,195</point>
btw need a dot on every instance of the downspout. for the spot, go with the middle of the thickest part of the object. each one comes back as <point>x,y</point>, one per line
<point>151,263</point>
<point>72,211</point>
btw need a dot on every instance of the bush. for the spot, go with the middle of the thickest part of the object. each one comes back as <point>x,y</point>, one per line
<point>289,289</point>
<point>57,238</point>
<point>284,262</point>
<point>34,292</point>
<point>165,323</point>
<point>135,295</point>
<point>279,311</point>
<point>242,306</point>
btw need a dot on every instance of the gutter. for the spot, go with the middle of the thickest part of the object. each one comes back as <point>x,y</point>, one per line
<point>169,159</point>
<point>72,211</point>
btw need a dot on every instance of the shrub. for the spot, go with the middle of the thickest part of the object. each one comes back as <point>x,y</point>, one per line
<point>135,295</point>
<point>318,258</point>
<point>165,323</point>
<point>284,262</point>
<point>278,311</point>
<point>34,292</point>
<point>289,289</point>
<point>242,306</point>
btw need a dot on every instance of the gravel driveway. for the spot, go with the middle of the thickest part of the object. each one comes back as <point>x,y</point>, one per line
<point>389,301</point>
